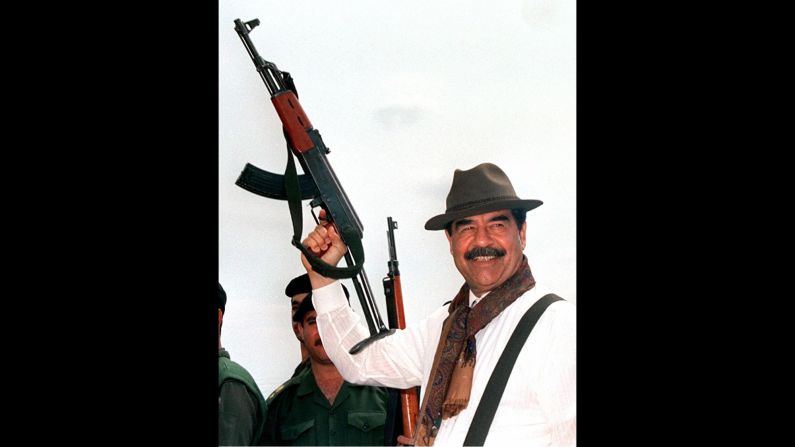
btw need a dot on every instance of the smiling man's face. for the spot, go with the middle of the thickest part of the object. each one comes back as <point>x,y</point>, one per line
<point>487,249</point>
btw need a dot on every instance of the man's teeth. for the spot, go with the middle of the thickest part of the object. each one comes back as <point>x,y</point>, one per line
<point>484,258</point>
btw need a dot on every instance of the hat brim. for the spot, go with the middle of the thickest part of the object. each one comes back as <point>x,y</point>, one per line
<point>441,221</point>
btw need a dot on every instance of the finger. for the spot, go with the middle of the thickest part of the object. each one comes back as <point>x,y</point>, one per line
<point>322,236</point>
<point>321,217</point>
<point>315,242</point>
<point>316,239</point>
<point>332,233</point>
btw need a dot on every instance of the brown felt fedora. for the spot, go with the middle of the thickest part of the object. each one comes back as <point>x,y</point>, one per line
<point>479,190</point>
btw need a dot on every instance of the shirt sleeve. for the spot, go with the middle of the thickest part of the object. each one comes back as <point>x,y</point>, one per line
<point>237,411</point>
<point>394,361</point>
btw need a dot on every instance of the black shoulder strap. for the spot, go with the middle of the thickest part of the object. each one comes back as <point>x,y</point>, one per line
<point>484,415</point>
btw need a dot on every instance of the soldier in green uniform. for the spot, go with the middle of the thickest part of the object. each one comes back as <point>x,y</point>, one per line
<point>241,407</point>
<point>316,406</point>
<point>297,289</point>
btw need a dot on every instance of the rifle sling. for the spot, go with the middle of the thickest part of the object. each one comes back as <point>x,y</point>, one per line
<point>354,244</point>
<point>484,415</point>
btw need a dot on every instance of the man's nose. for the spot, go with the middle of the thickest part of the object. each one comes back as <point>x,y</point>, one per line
<point>482,236</point>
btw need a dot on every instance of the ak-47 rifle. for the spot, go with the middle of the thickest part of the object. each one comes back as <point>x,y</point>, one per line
<point>319,183</point>
<point>409,404</point>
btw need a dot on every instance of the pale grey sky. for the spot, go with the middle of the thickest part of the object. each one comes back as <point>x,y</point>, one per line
<point>403,94</point>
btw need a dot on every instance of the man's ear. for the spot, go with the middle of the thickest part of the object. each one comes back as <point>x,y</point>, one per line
<point>299,332</point>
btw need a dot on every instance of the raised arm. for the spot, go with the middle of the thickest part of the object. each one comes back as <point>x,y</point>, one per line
<point>394,361</point>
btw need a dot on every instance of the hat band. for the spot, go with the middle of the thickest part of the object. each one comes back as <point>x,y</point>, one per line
<point>472,203</point>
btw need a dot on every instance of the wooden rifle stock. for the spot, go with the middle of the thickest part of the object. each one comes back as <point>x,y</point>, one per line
<point>409,403</point>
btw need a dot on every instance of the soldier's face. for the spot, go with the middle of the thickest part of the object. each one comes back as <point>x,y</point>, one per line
<point>311,338</point>
<point>296,301</point>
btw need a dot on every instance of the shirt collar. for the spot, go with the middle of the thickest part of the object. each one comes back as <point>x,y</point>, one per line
<point>474,299</point>
<point>306,382</point>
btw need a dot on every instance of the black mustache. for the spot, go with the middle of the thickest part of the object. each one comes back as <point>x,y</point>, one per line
<point>484,251</point>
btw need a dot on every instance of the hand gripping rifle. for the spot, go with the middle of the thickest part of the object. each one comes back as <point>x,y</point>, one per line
<point>319,183</point>
<point>409,404</point>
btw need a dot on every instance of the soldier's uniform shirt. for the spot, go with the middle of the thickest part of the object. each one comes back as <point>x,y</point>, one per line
<point>304,365</point>
<point>299,414</point>
<point>241,407</point>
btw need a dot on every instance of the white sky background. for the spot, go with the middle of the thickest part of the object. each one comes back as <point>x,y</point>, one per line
<point>403,94</point>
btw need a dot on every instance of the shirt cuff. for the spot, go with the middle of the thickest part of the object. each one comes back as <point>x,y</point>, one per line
<point>329,298</point>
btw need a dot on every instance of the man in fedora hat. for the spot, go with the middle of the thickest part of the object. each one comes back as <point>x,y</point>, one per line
<point>453,353</point>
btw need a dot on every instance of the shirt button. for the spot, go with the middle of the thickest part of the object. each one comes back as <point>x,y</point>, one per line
<point>365,426</point>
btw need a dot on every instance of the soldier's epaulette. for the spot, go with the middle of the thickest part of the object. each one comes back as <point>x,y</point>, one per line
<point>290,382</point>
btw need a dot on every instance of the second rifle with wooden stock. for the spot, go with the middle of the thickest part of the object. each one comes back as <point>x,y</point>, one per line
<point>393,291</point>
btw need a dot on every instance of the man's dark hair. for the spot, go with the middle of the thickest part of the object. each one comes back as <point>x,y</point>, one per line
<point>519,215</point>
<point>301,284</point>
<point>221,298</point>
<point>303,308</point>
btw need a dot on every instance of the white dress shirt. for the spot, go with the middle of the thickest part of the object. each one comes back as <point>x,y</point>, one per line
<point>538,407</point>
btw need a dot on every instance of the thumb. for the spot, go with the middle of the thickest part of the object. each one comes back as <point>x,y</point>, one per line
<point>336,242</point>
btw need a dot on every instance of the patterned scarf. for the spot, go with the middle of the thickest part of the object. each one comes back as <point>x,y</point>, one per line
<point>454,362</point>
